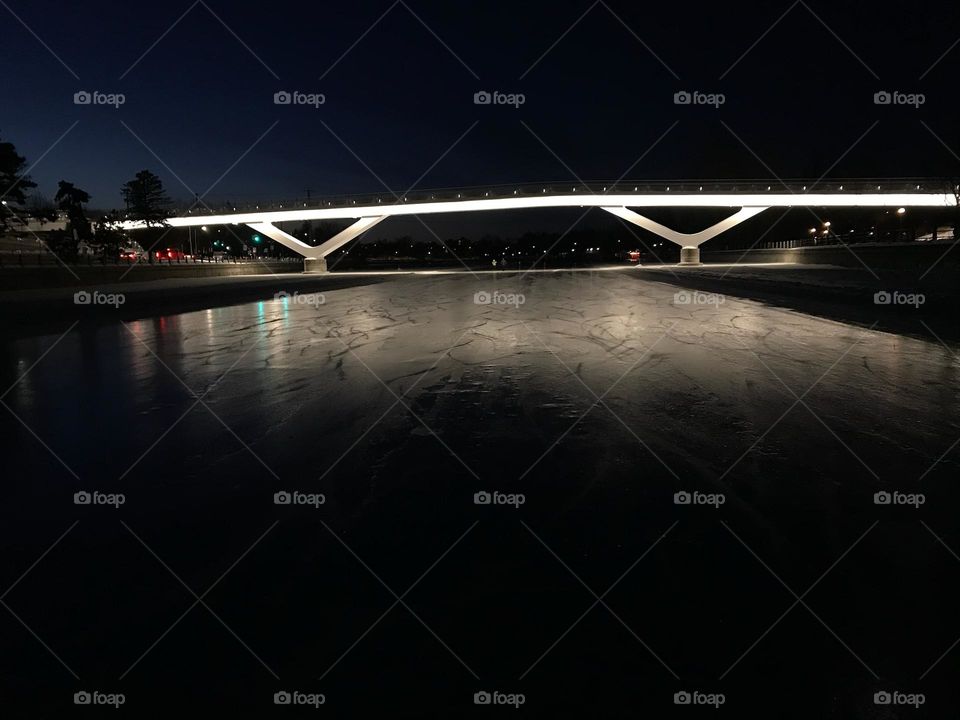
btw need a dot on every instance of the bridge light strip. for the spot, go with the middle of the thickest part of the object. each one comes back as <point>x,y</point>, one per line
<point>729,200</point>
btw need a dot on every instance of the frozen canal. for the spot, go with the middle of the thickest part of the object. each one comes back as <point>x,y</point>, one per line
<point>596,396</point>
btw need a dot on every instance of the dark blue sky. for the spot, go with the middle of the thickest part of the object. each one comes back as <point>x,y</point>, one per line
<point>795,104</point>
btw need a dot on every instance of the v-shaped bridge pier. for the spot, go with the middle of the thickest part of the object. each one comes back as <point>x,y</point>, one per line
<point>689,242</point>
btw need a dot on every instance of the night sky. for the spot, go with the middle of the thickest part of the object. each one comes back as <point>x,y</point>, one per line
<point>599,83</point>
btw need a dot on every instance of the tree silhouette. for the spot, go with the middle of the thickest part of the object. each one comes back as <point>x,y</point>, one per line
<point>148,202</point>
<point>146,199</point>
<point>70,199</point>
<point>13,183</point>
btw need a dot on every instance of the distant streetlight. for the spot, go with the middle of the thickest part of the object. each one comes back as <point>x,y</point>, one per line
<point>901,211</point>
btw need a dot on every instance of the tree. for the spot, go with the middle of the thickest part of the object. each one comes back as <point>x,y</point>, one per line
<point>71,199</point>
<point>108,236</point>
<point>148,202</point>
<point>146,199</point>
<point>13,183</point>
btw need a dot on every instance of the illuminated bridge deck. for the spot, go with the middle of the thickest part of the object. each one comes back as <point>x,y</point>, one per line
<point>748,198</point>
<point>916,192</point>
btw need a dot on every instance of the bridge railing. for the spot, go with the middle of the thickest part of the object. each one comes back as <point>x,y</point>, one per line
<point>572,188</point>
<point>899,235</point>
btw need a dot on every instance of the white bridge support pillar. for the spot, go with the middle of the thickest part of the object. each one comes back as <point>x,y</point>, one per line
<point>315,258</point>
<point>689,242</point>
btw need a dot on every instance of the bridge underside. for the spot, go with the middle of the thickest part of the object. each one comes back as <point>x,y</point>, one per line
<point>315,257</point>
<point>689,242</point>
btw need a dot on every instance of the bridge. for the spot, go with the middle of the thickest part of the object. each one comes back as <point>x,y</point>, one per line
<point>745,199</point>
